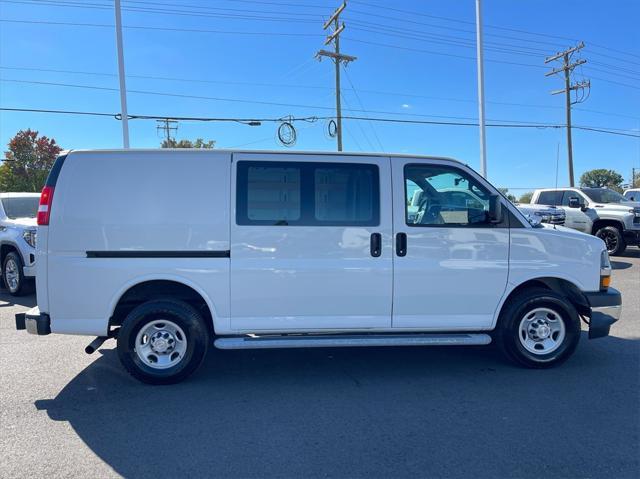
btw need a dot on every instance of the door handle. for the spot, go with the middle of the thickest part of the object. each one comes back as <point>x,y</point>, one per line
<point>376,244</point>
<point>401,244</point>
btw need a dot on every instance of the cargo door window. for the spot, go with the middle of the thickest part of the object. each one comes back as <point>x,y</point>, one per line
<point>273,194</point>
<point>307,194</point>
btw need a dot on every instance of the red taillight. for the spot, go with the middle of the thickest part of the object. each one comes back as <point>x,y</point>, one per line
<point>44,209</point>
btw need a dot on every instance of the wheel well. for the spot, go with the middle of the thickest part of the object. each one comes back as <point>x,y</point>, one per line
<point>560,286</point>
<point>159,289</point>
<point>5,249</point>
<point>602,223</point>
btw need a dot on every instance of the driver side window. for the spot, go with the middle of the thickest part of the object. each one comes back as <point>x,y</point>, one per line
<point>439,195</point>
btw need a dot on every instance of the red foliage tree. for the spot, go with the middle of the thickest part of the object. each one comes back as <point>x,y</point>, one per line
<point>27,161</point>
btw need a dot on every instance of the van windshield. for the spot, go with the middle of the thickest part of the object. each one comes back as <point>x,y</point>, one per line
<point>21,207</point>
<point>603,195</point>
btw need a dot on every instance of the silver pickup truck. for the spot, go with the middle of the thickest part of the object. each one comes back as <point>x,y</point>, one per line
<point>598,211</point>
<point>553,215</point>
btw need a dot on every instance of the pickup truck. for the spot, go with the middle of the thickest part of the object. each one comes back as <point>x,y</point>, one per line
<point>552,215</point>
<point>466,198</point>
<point>598,211</point>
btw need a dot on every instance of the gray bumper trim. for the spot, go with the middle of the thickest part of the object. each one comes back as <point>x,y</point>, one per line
<point>606,309</point>
<point>34,322</point>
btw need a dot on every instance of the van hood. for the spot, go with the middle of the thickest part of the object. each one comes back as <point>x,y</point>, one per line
<point>24,222</point>
<point>570,233</point>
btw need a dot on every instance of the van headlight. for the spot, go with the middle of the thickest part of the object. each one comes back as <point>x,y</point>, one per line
<point>30,237</point>
<point>605,271</point>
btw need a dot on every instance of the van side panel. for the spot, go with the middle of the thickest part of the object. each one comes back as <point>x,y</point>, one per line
<point>168,210</point>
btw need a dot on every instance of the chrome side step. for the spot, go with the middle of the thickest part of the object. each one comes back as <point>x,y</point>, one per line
<point>351,340</point>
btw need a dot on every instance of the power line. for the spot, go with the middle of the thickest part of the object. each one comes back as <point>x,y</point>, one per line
<point>364,134</point>
<point>431,52</point>
<point>295,34</point>
<point>634,87</point>
<point>161,11</point>
<point>239,100</point>
<point>355,92</point>
<point>313,119</point>
<point>242,15</point>
<point>496,27</point>
<point>163,29</point>
<point>312,87</point>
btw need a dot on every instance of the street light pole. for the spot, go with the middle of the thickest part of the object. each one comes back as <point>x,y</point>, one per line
<point>480,59</point>
<point>123,86</point>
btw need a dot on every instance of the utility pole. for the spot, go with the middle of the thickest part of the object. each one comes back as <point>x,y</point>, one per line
<point>167,125</point>
<point>480,60</point>
<point>568,67</point>
<point>338,58</point>
<point>123,86</point>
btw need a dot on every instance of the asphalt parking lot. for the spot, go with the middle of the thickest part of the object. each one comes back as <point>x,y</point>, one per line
<point>401,412</point>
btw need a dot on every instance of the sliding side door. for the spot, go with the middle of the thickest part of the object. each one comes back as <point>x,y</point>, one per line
<point>310,242</point>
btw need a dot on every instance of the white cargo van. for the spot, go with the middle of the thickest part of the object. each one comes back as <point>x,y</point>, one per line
<point>172,251</point>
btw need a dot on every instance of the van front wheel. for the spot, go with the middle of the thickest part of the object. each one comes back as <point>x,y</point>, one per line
<point>538,329</point>
<point>162,341</point>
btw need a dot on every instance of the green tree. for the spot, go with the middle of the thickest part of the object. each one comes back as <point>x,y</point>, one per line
<point>600,178</point>
<point>198,143</point>
<point>526,197</point>
<point>505,192</point>
<point>635,181</point>
<point>27,162</point>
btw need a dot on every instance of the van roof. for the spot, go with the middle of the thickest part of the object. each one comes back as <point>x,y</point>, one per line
<point>268,152</point>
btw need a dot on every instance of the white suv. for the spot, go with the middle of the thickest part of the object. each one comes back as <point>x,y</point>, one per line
<point>175,251</point>
<point>18,240</point>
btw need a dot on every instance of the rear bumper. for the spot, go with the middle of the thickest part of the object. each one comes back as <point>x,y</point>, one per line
<point>34,322</point>
<point>606,308</point>
<point>631,237</point>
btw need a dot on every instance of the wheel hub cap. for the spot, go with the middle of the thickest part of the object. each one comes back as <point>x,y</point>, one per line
<point>541,331</point>
<point>161,344</point>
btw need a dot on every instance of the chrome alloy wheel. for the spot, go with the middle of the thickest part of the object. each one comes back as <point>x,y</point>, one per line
<point>541,331</point>
<point>161,344</point>
<point>11,275</point>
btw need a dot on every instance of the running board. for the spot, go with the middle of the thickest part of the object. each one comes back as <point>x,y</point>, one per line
<point>351,340</point>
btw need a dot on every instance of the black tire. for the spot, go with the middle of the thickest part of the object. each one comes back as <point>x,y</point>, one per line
<point>613,240</point>
<point>24,286</point>
<point>179,313</point>
<point>508,334</point>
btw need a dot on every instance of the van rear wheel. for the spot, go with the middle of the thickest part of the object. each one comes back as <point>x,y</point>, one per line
<point>538,329</point>
<point>163,341</point>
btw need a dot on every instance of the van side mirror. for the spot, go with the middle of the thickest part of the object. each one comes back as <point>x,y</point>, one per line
<point>495,209</point>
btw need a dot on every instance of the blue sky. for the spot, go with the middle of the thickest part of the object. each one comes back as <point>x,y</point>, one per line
<point>414,62</point>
